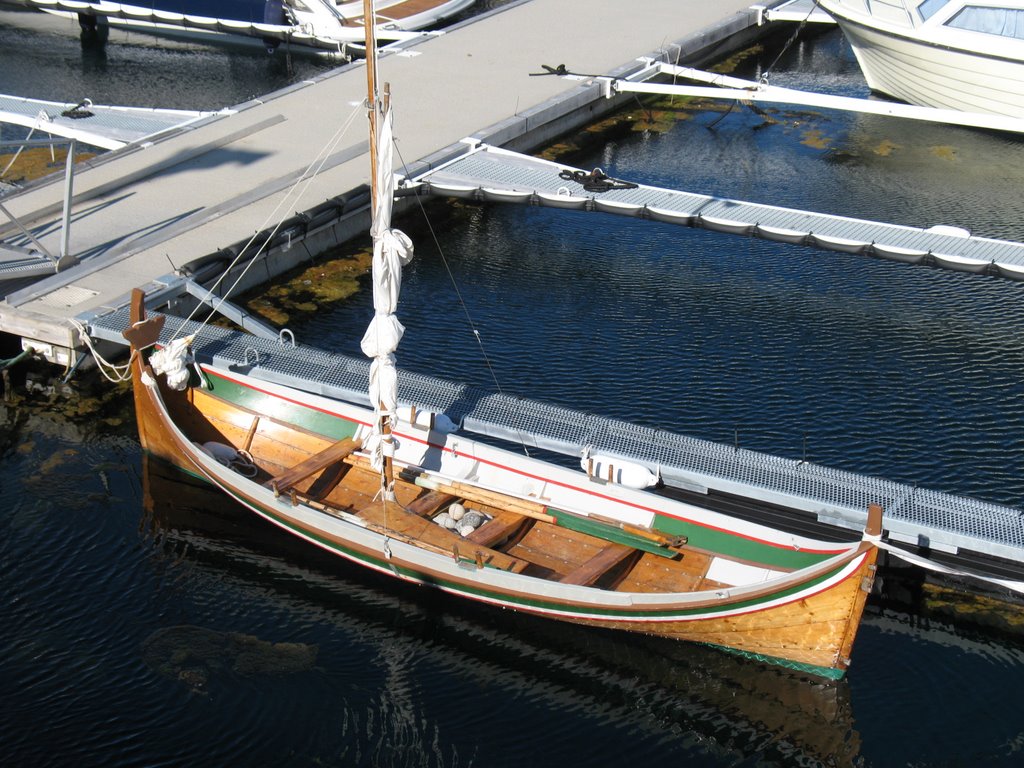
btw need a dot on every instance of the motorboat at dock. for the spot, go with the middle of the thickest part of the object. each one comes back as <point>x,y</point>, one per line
<point>948,54</point>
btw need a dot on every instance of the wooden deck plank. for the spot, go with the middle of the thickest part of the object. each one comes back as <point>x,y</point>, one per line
<point>395,518</point>
<point>655,574</point>
<point>430,502</point>
<point>557,549</point>
<point>502,526</point>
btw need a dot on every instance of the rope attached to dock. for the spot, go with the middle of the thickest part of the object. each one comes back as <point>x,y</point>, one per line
<point>10,362</point>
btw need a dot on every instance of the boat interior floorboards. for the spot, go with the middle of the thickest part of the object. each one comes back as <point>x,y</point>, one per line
<point>333,476</point>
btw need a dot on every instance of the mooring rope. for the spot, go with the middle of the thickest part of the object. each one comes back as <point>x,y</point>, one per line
<point>789,43</point>
<point>117,373</point>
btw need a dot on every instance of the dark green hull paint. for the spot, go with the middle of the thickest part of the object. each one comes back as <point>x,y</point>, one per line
<point>538,604</point>
<point>608,532</point>
<point>528,604</point>
<point>826,672</point>
<point>311,419</point>
<point>483,594</point>
<point>711,540</point>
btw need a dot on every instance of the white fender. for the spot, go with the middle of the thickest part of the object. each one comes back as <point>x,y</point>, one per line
<point>430,420</point>
<point>619,471</point>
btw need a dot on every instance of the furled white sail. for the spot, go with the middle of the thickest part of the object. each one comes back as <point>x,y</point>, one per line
<point>392,249</point>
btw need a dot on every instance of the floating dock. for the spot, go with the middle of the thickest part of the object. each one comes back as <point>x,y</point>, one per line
<point>224,184</point>
<point>491,174</point>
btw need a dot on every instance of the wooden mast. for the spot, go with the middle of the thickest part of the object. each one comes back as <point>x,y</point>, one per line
<point>370,26</point>
<point>371,92</point>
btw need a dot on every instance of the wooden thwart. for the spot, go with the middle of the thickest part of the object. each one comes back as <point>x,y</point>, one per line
<point>397,522</point>
<point>430,502</point>
<point>599,565</point>
<point>501,527</point>
<point>318,461</point>
<point>467,491</point>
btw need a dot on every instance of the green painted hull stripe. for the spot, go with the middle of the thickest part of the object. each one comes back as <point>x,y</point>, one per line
<point>830,674</point>
<point>712,540</point>
<point>608,533</point>
<point>826,672</point>
<point>708,539</point>
<point>540,604</point>
<point>307,417</point>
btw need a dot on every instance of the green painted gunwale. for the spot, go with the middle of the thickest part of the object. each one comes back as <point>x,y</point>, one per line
<point>825,672</point>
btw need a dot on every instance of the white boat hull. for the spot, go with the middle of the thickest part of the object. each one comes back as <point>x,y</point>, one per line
<point>937,67</point>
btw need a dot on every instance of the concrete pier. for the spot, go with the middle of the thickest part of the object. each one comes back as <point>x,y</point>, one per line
<point>145,212</point>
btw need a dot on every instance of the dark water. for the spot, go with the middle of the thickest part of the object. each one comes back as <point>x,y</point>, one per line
<point>146,622</point>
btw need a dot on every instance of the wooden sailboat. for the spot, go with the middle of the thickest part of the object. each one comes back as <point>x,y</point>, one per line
<point>402,493</point>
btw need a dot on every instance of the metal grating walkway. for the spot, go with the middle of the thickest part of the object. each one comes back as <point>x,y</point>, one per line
<point>944,522</point>
<point>497,175</point>
<point>99,126</point>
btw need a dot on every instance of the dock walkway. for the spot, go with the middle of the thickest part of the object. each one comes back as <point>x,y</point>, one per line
<point>149,210</point>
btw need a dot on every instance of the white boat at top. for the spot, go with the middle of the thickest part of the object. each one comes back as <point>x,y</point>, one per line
<point>325,25</point>
<point>965,55</point>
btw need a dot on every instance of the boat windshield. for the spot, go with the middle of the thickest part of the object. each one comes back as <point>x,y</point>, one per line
<point>1005,22</point>
<point>928,8</point>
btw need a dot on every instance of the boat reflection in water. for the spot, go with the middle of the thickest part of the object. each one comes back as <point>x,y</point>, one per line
<point>647,689</point>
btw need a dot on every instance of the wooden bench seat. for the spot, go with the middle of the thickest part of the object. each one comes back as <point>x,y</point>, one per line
<point>392,517</point>
<point>430,502</point>
<point>598,565</point>
<point>332,454</point>
<point>503,526</point>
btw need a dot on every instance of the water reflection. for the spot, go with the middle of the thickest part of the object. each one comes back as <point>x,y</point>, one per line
<point>430,650</point>
<point>419,668</point>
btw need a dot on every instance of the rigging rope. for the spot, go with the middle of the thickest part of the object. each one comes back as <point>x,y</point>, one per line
<point>458,294</point>
<point>792,39</point>
<point>318,162</point>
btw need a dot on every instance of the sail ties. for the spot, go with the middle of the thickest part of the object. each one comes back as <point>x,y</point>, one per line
<point>392,250</point>
<point>173,361</point>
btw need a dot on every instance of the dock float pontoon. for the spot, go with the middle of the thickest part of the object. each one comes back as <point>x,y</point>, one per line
<point>491,174</point>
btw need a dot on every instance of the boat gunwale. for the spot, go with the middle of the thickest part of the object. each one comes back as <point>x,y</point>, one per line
<point>637,500</point>
<point>887,31</point>
<point>430,567</point>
